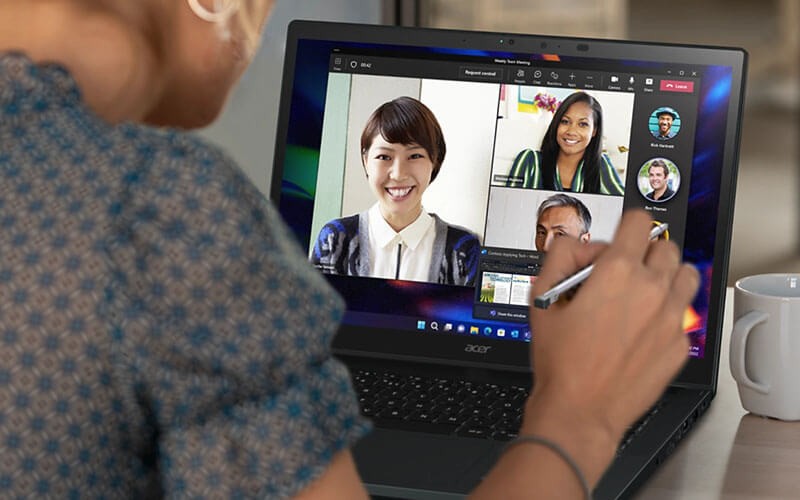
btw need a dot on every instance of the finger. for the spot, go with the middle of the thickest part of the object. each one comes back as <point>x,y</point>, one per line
<point>663,258</point>
<point>670,357</point>
<point>662,365</point>
<point>632,237</point>
<point>683,290</point>
<point>565,258</point>
<point>673,309</point>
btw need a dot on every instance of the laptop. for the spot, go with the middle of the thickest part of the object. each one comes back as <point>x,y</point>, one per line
<point>418,344</point>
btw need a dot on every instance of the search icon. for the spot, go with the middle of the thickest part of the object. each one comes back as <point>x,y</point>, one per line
<point>434,325</point>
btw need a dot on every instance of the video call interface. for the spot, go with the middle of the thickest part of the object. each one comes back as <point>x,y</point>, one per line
<point>502,194</point>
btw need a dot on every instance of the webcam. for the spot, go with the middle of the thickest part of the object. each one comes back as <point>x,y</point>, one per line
<point>510,41</point>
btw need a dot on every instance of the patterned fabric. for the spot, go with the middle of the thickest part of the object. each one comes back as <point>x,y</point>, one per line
<point>526,172</point>
<point>160,332</point>
<point>342,247</point>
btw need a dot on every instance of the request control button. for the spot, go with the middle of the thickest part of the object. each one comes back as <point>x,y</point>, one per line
<point>485,73</point>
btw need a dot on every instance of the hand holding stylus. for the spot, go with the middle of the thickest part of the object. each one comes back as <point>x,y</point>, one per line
<point>604,357</point>
<point>544,300</point>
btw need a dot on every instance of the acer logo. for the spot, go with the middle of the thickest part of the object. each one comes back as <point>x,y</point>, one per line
<point>477,349</point>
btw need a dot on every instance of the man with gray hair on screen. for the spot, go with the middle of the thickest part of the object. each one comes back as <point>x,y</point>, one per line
<point>561,215</point>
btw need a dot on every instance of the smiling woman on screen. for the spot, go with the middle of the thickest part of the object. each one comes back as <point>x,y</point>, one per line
<point>571,156</point>
<point>402,150</point>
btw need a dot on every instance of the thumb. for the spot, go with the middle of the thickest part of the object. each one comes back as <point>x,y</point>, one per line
<point>565,257</point>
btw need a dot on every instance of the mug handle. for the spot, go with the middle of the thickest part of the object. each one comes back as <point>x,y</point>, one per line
<point>741,330</point>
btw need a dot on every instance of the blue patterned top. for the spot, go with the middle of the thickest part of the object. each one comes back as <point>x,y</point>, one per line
<point>160,329</point>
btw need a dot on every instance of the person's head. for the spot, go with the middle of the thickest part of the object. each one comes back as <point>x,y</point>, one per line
<point>657,174</point>
<point>576,129</point>
<point>163,62</point>
<point>665,119</point>
<point>206,45</point>
<point>561,216</point>
<point>402,150</point>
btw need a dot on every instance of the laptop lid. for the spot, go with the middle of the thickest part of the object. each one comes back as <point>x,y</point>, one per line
<point>668,143</point>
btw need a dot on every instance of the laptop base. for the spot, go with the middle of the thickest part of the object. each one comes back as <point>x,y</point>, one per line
<point>409,466</point>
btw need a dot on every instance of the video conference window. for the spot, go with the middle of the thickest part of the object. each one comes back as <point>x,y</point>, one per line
<point>533,219</point>
<point>410,202</point>
<point>411,169</point>
<point>470,183</point>
<point>562,139</point>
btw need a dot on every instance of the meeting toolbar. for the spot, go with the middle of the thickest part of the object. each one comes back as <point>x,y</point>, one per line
<point>521,72</point>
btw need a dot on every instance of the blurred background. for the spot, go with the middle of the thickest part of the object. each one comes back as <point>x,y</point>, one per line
<point>766,231</point>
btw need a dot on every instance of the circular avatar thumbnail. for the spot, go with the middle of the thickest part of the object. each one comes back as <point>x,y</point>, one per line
<point>664,123</point>
<point>658,180</point>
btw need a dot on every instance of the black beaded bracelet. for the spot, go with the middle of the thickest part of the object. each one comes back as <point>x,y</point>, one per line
<point>532,438</point>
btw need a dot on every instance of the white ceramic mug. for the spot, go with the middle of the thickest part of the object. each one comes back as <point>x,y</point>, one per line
<point>765,344</point>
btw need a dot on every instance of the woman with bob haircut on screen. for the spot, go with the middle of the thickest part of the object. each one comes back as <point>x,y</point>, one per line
<point>571,156</point>
<point>162,335</point>
<point>402,151</point>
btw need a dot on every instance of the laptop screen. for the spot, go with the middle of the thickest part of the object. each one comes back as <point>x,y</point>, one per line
<point>426,173</point>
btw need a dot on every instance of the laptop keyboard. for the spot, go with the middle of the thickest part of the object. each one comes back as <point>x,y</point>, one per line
<point>450,406</point>
<point>440,405</point>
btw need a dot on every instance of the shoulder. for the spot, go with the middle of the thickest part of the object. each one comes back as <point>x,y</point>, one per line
<point>528,156</point>
<point>184,181</point>
<point>610,180</point>
<point>179,173</point>
<point>606,160</point>
<point>457,237</point>
<point>347,225</point>
<point>184,198</point>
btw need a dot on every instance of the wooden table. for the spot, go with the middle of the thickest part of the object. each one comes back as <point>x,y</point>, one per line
<point>731,453</point>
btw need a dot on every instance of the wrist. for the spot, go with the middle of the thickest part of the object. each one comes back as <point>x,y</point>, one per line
<point>589,440</point>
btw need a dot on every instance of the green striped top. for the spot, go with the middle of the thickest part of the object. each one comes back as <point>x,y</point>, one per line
<point>526,172</point>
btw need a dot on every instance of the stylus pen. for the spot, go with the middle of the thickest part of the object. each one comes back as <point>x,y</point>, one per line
<point>544,300</point>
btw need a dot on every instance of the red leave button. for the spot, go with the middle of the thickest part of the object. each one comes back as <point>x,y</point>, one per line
<point>677,86</point>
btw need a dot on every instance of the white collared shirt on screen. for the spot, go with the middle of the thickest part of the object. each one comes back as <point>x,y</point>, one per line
<point>414,243</point>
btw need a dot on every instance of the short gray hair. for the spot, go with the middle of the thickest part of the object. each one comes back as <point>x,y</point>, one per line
<point>564,200</point>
